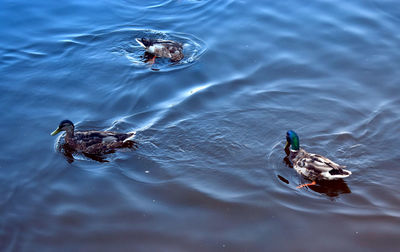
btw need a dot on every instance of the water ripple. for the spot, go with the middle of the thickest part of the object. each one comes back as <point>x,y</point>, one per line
<point>193,48</point>
<point>211,129</point>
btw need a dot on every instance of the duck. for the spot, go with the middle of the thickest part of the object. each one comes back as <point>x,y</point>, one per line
<point>312,166</point>
<point>94,142</point>
<point>162,49</point>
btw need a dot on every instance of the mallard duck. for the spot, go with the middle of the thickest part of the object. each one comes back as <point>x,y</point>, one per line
<point>94,142</point>
<point>162,48</point>
<point>312,166</point>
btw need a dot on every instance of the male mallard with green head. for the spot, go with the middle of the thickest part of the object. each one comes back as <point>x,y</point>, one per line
<point>312,166</point>
<point>162,48</point>
<point>94,142</point>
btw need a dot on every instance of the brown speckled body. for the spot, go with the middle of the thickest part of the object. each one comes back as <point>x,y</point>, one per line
<point>163,48</point>
<point>98,142</point>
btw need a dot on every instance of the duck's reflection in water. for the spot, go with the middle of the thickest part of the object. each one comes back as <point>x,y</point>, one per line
<point>331,188</point>
<point>69,154</point>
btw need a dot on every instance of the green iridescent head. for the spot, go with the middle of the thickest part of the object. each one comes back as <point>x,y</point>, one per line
<point>292,140</point>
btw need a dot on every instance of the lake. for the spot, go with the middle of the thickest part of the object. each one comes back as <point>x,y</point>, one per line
<point>210,172</point>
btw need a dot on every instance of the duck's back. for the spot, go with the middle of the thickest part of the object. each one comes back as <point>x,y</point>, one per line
<point>315,166</point>
<point>99,142</point>
<point>163,48</point>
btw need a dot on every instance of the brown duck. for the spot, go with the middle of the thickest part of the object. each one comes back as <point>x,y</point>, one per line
<point>94,142</point>
<point>162,49</point>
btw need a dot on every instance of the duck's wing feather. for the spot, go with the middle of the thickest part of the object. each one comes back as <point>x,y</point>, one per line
<point>323,166</point>
<point>170,44</point>
<point>100,137</point>
<point>321,163</point>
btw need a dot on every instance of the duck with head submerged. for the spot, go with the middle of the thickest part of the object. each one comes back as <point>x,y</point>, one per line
<point>312,166</point>
<point>162,49</point>
<point>94,142</point>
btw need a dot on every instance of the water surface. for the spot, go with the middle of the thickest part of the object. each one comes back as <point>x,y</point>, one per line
<point>209,174</point>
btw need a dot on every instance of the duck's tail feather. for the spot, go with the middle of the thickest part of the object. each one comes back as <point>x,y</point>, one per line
<point>139,40</point>
<point>131,137</point>
<point>144,42</point>
<point>337,174</point>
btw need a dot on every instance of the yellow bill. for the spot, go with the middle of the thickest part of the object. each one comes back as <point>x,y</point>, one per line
<point>55,132</point>
<point>287,145</point>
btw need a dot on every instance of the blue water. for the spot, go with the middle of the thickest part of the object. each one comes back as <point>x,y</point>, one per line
<point>209,173</point>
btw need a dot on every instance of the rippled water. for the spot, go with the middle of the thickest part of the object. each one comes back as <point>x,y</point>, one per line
<point>209,174</point>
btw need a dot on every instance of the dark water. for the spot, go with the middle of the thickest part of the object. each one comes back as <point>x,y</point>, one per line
<point>209,174</point>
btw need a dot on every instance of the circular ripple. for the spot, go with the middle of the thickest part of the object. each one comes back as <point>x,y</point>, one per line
<point>193,48</point>
<point>146,4</point>
<point>103,44</point>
